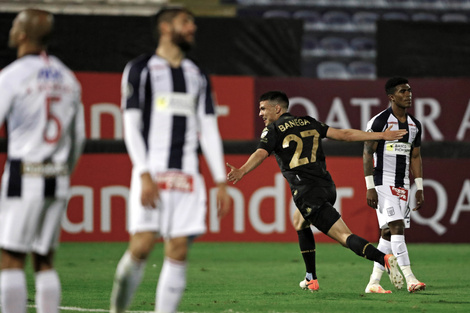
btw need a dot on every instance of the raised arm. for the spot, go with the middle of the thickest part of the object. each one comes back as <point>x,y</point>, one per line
<point>359,135</point>
<point>236,174</point>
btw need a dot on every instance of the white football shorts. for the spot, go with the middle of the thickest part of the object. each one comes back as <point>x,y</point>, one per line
<point>30,222</point>
<point>393,205</point>
<point>181,209</point>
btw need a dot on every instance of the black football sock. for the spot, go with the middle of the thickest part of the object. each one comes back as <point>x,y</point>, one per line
<point>307,248</point>
<point>363,248</point>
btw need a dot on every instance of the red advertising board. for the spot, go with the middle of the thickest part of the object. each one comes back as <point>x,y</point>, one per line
<point>98,202</point>
<point>262,205</point>
<point>101,97</point>
<point>441,105</point>
<point>234,96</point>
<point>445,216</point>
<point>101,94</point>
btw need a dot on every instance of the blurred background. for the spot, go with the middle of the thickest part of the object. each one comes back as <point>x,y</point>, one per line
<point>332,58</point>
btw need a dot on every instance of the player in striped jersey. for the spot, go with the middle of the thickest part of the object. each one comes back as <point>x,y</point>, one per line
<point>168,110</point>
<point>41,102</point>
<point>388,183</point>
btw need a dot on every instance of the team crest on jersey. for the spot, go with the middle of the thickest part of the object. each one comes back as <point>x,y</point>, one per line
<point>264,133</point>
<point>128,91</point>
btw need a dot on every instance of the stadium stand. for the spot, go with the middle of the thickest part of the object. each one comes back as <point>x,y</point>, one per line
<point>311,46</point>
<point>355,22</point>
<point>332,70</point>
<point>454,17</point>
<point>424,17</point>
<point>312,19</point>
<point>277,14</point>
<point>363,47</point>
<point>337,20</point>
<point>395,16</point>
<point>362,70</point>
<point>335,46</point>
<point>365,20</point>
<point>350,22</point>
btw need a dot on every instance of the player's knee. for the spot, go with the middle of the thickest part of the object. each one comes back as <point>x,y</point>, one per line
<point>385,234</point>
<point>11,259</point>
<point>397,227</point>
<point>43,262</point>
<point>141,244</point>
<point>177,248</point>
<point>340,232</point>
<point>299,222</point>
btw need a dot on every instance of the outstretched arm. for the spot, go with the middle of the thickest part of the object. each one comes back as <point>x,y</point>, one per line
<point>359,135</point>
<point>253,161</point>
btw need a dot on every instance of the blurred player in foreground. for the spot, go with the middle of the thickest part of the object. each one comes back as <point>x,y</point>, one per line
<point>167,109</point>
<point>41,101</point>
<point>296,143</point>
<point>388,183</point>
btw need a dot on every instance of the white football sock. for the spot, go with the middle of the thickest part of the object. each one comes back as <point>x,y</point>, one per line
<point>401,252</point>
<point>385,247</point>
<point>47,291</point>
<point>378,269</point>
<point>13,291</point>
<point>409,276</point>
<point>171,285</point>
<point>126,280</point>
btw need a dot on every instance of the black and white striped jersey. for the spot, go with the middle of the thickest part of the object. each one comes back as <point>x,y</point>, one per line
<point>167,112</point>
<point>392,158</point>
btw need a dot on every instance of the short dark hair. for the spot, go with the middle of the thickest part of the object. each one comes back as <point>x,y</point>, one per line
<point>166,14</point>
<point>276,96</point>
<point>393,82</point>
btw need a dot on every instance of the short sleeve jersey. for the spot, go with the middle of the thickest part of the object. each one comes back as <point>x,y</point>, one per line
<point>296,143</point>
<point>392,158</point>
<point>40,98</point>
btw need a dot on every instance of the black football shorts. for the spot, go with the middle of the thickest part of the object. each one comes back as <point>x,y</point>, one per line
<point>316,205</point>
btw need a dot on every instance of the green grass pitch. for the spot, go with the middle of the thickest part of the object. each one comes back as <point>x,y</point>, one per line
<point>264,277</point>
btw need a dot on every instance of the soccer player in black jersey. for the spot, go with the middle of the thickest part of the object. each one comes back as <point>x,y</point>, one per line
<point>296,144</point>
